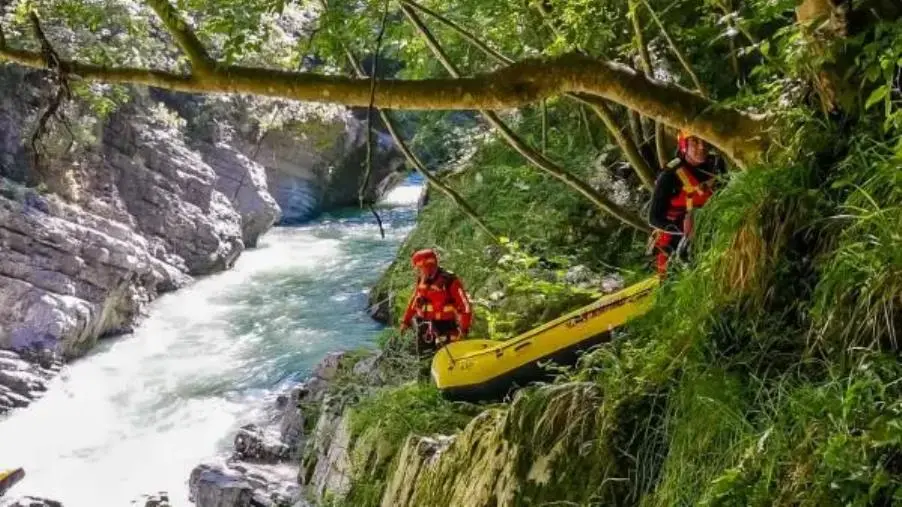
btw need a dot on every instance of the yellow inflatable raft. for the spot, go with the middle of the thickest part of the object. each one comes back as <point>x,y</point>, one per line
<point>484,369</point>
<point>9,478</point>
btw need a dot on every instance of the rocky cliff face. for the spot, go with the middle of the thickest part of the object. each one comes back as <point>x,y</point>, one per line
<point>313,155</point>
<point>134,206</point>
<point>510,455</point>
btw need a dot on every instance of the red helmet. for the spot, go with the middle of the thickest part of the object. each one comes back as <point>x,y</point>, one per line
<point>423,258</point>
<point>683,140</point>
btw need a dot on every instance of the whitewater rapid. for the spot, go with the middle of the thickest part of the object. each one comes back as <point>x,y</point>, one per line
<point>138,413</point>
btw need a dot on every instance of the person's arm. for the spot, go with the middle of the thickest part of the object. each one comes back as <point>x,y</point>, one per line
<point>665,188</point>
<point>462,305</point>
<point>411,308</point>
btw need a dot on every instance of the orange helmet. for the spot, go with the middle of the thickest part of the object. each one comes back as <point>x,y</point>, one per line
<point>424,258</point>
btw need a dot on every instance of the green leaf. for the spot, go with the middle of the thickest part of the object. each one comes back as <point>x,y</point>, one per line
<point>876,96</point>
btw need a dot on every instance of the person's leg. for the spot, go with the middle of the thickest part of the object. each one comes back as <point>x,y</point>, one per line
<point>664,246</point>
<point>425,338</point>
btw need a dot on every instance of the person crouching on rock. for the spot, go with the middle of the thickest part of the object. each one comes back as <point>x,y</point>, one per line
<point>439,303</point>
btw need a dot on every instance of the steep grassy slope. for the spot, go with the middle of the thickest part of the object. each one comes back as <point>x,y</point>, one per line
<point>766,373</point>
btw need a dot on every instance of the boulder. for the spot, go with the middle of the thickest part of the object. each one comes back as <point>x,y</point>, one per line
<point>253,444</point>
<point>33,501</point>
<point>215,485</point>
<point>22,381</point>
<point>243,182</point>
<point>232,484</point>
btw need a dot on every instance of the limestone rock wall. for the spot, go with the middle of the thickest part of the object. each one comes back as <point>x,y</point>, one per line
<point>139,202</point>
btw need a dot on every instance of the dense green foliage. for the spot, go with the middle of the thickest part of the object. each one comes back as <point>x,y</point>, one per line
<point>767,371</point>
<point>547,228</point>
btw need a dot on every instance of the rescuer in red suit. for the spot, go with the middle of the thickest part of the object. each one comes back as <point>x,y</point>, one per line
<point>686,184</point>
<point>439,303</point>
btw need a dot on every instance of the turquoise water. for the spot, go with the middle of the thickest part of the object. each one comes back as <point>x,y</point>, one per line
<point>137,414</point>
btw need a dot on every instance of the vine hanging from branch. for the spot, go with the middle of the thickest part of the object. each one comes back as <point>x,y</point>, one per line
<point>368,170</point>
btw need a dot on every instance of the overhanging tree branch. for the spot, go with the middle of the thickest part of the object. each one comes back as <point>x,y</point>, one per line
<point>739,135</point>
<point>178,27</point>
<point>630,150</point>
<point>521,147</point>
<point>627,146</point>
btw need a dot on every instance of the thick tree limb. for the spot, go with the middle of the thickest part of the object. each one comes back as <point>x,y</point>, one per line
<point>184,36</point>
<point>629,148</point>
<point>413,160</point>
<point>521,147</point>
<point>739,135</point>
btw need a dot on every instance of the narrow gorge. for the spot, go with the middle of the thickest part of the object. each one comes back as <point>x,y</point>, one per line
<point>675,223</point>
<point>166,190</point>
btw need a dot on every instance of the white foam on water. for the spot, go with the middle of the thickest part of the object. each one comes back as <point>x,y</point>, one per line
<point>136,415</point>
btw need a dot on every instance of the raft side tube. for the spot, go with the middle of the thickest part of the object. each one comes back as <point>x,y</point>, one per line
<point>486,369</point>
<point>502,386</point>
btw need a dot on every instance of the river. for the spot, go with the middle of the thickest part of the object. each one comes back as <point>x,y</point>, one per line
<point>139,412</point>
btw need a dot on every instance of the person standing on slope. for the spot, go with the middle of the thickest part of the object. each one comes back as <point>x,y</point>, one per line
<point>686,183</point>
<point>439,303</point>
